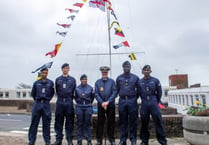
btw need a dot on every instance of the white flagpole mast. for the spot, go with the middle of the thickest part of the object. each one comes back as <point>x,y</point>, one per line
<point>109,40</point>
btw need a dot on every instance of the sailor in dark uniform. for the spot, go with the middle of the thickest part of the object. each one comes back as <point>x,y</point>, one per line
<point>105,93</point>
<point>65,89</point>
<point>127,87</point>
<point>42,93</point>
<point>150,91</point>
<point>84,97</point>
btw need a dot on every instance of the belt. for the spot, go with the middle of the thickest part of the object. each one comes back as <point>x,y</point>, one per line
<point>42,101</point>
<point>64,99</point>
<point>84,102</point>
<point>127,97</point>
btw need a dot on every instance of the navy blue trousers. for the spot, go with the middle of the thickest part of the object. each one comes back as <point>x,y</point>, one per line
<point>128,116</point>
<point>150,107</point>
<point>40,110</point>
<point>64,113</point>
<point>84,115</point>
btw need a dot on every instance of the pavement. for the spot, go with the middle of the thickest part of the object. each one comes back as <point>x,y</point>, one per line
<point>9,138</point>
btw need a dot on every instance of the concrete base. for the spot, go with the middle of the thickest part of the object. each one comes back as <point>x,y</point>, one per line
<point>196,129</point>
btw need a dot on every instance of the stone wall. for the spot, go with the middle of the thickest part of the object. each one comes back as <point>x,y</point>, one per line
<point>171,120</point>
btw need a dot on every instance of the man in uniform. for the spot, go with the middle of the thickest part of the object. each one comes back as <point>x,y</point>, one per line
<point>42,92</point>
<point>65,87</point>
<point>127,87</point>
<point>105,93</point>
<point>84,98</point>
<point>150,92</point>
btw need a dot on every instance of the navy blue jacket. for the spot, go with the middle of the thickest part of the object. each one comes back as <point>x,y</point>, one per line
<point>43,90</point>
<point>105,90</point>
<point>65,87</point>
<point>150,87</point>
<point>127,85</point>
<point>84,95</point>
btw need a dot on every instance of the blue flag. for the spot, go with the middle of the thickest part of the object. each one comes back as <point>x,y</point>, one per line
<point>47,65</point>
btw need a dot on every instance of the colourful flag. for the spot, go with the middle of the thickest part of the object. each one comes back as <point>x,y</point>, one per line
<point>125,43</point>
<point>47,65</point>
<point>97,4</point>
<point>64,25</point>
<point>38,76</point>
<point>113,13</point>
<point>114,22</point>
<point>119,32</point>
<point>63,34</point>
<point>109,3</point>
<point>72,17</point>
<point>132,56</point>
<point>84,0</point>
<point>72,11</point>
<point>55,51</point>
<point>80,5</point>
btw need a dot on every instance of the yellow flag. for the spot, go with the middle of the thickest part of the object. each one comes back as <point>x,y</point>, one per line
<point>84,0</point>
<point>132,56</point>
<point>39,76</point>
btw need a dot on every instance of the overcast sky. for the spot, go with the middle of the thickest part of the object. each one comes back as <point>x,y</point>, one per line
<point>173,34</point>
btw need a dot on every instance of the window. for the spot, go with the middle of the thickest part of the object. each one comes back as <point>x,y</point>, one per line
<point>18,94</point>
<point>179,99</point>
<point>24,95</point>
<point>192,101</point>
<point>7,95</point>
<point>1,94</point>
<point>183,99</point>
<point>203,99</point>
<point>187,100</point>
<point>29,94</point>
<point>196,99</point>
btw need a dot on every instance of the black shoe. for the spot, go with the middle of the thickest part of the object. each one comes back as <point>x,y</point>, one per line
<point>47,143</point>
<point>133,143</point>
<point>89,143</point>
<point>99,143</point>
<point>57,143</point>
<point>31,143</point>
<point>112,143</point>
<point>122,143</point>
<point>69,142</point>
<point>143,143</point>
<point>79,143</point>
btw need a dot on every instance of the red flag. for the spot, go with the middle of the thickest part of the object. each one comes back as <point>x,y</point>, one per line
<point>161,105</point>
<point>72,10</point>
<point>125,43</point>
<point>55,51</point>
<point>78,5</point>
<point>97,4</point>
<point>64,25</point>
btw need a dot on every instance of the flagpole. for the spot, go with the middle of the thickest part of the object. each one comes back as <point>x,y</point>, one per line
<point>109,41</point>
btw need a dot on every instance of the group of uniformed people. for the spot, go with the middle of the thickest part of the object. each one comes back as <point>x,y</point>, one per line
<point>127,86</point>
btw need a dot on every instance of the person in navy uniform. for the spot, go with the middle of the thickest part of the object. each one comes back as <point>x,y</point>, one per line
<point>150,91</point>
<point>42,92</point>
<point>127,87</point>
<point>84,98</point>
<point>105,94</point>
<point>65,87</point>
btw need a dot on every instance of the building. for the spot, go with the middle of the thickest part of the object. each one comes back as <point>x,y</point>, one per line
<point>180,81</point>
<point>183,98</point>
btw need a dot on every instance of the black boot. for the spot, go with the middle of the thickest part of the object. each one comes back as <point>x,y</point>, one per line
<point>31,143</point>
<point>99,142</point>
<point>133,143</point>
<point>57,142</point>
<point>47,143</point>
<point>112,143</point>
<point>79,143</point>
<point>89,143</point>
<point>122,143</point>
<point>143,143</point>
<point>69,142</point>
